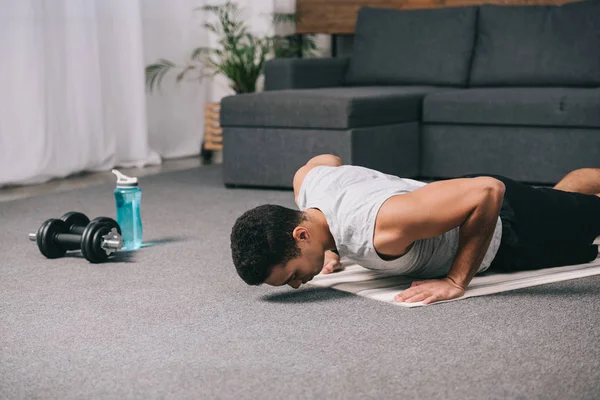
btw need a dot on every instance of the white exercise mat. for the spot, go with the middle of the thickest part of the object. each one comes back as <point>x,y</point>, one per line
<point>384,287</point>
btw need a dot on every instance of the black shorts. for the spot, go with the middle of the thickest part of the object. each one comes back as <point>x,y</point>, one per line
<point>544,227</point>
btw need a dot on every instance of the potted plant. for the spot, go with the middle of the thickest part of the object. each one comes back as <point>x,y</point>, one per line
<point>240,57</point>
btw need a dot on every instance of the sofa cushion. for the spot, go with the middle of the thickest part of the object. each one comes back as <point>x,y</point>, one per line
<point>330,108</point>
<point>538,45</point>
<point>423,47</point>
<point>305,73</point>
<point>572,107</point>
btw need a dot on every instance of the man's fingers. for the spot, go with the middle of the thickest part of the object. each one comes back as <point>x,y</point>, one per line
<point>329,267</point>
<point>413,294</point>
<point>429,292</point>
<point>431,299</point>
<point>418,297</point>
<point>332,266</point>
<point>338,267</point>
<point>407,294</point>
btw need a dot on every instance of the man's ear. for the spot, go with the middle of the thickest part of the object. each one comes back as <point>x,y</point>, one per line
<point>301,233</point>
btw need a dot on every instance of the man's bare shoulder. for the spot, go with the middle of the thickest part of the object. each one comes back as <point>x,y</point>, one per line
<point>323,159</point>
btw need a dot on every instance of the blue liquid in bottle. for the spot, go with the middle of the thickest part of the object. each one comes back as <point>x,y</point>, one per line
<point>128,198</point>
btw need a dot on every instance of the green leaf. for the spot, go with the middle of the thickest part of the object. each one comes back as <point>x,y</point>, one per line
<point>181,75</point>
<point>156,72</point>
<point>211,9</point>
<point>212,28</point>
<point>284,18</point>
<point>200,51</point>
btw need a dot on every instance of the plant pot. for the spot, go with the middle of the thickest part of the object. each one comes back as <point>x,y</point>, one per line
<point>213,133</point>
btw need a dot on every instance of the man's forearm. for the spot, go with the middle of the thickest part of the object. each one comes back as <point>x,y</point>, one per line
<point>475,237</point>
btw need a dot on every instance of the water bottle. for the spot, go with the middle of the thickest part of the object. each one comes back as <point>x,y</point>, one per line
<point>128,197</point>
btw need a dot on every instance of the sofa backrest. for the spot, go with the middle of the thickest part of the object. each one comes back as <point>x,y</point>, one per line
<point>408,47</point>
<point>537,45</point>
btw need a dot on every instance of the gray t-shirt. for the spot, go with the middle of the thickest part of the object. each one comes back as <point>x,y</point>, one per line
<point>350,198</point>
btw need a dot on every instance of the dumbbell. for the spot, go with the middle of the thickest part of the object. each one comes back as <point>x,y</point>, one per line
<point>97,239</point>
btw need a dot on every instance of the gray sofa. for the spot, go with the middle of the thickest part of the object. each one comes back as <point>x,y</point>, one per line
<point>431,94</point>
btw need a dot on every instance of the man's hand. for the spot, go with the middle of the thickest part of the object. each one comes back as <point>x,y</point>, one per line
<point>331,263</point>
<point>430,291</point>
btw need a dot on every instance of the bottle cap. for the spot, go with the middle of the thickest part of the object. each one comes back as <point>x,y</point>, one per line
<point>124,180</point>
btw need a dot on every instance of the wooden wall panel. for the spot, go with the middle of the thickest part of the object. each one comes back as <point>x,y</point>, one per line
<point>339,16</point>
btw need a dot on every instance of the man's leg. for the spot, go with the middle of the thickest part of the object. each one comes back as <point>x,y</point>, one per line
<point>553,216</point>
<point>584,180</point>
<point>548,227</point>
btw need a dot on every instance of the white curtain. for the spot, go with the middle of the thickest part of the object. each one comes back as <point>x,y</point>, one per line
<point>72,94</point>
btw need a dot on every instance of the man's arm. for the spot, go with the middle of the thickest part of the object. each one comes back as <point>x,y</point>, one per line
<point>332,262</point>
<point>472,204</point>
<point>323,159</point>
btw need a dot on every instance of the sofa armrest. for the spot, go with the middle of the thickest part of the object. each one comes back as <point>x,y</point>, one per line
<point>299,73</point>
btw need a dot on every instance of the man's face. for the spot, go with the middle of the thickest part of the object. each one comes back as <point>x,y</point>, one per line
<point>300,269</point>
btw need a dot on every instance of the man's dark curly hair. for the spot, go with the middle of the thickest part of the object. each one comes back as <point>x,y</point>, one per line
<point>262,238</point>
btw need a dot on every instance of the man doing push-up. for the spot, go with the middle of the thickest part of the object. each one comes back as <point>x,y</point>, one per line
<point>441,234</point>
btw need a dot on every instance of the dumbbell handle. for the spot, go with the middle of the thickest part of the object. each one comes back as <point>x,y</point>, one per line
<point>71,239</point>
<point>77,230</point>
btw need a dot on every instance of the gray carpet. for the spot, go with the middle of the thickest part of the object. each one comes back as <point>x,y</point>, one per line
<point>174,321</point>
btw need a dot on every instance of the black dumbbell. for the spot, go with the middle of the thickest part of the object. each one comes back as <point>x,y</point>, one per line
<point>96,240</point>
